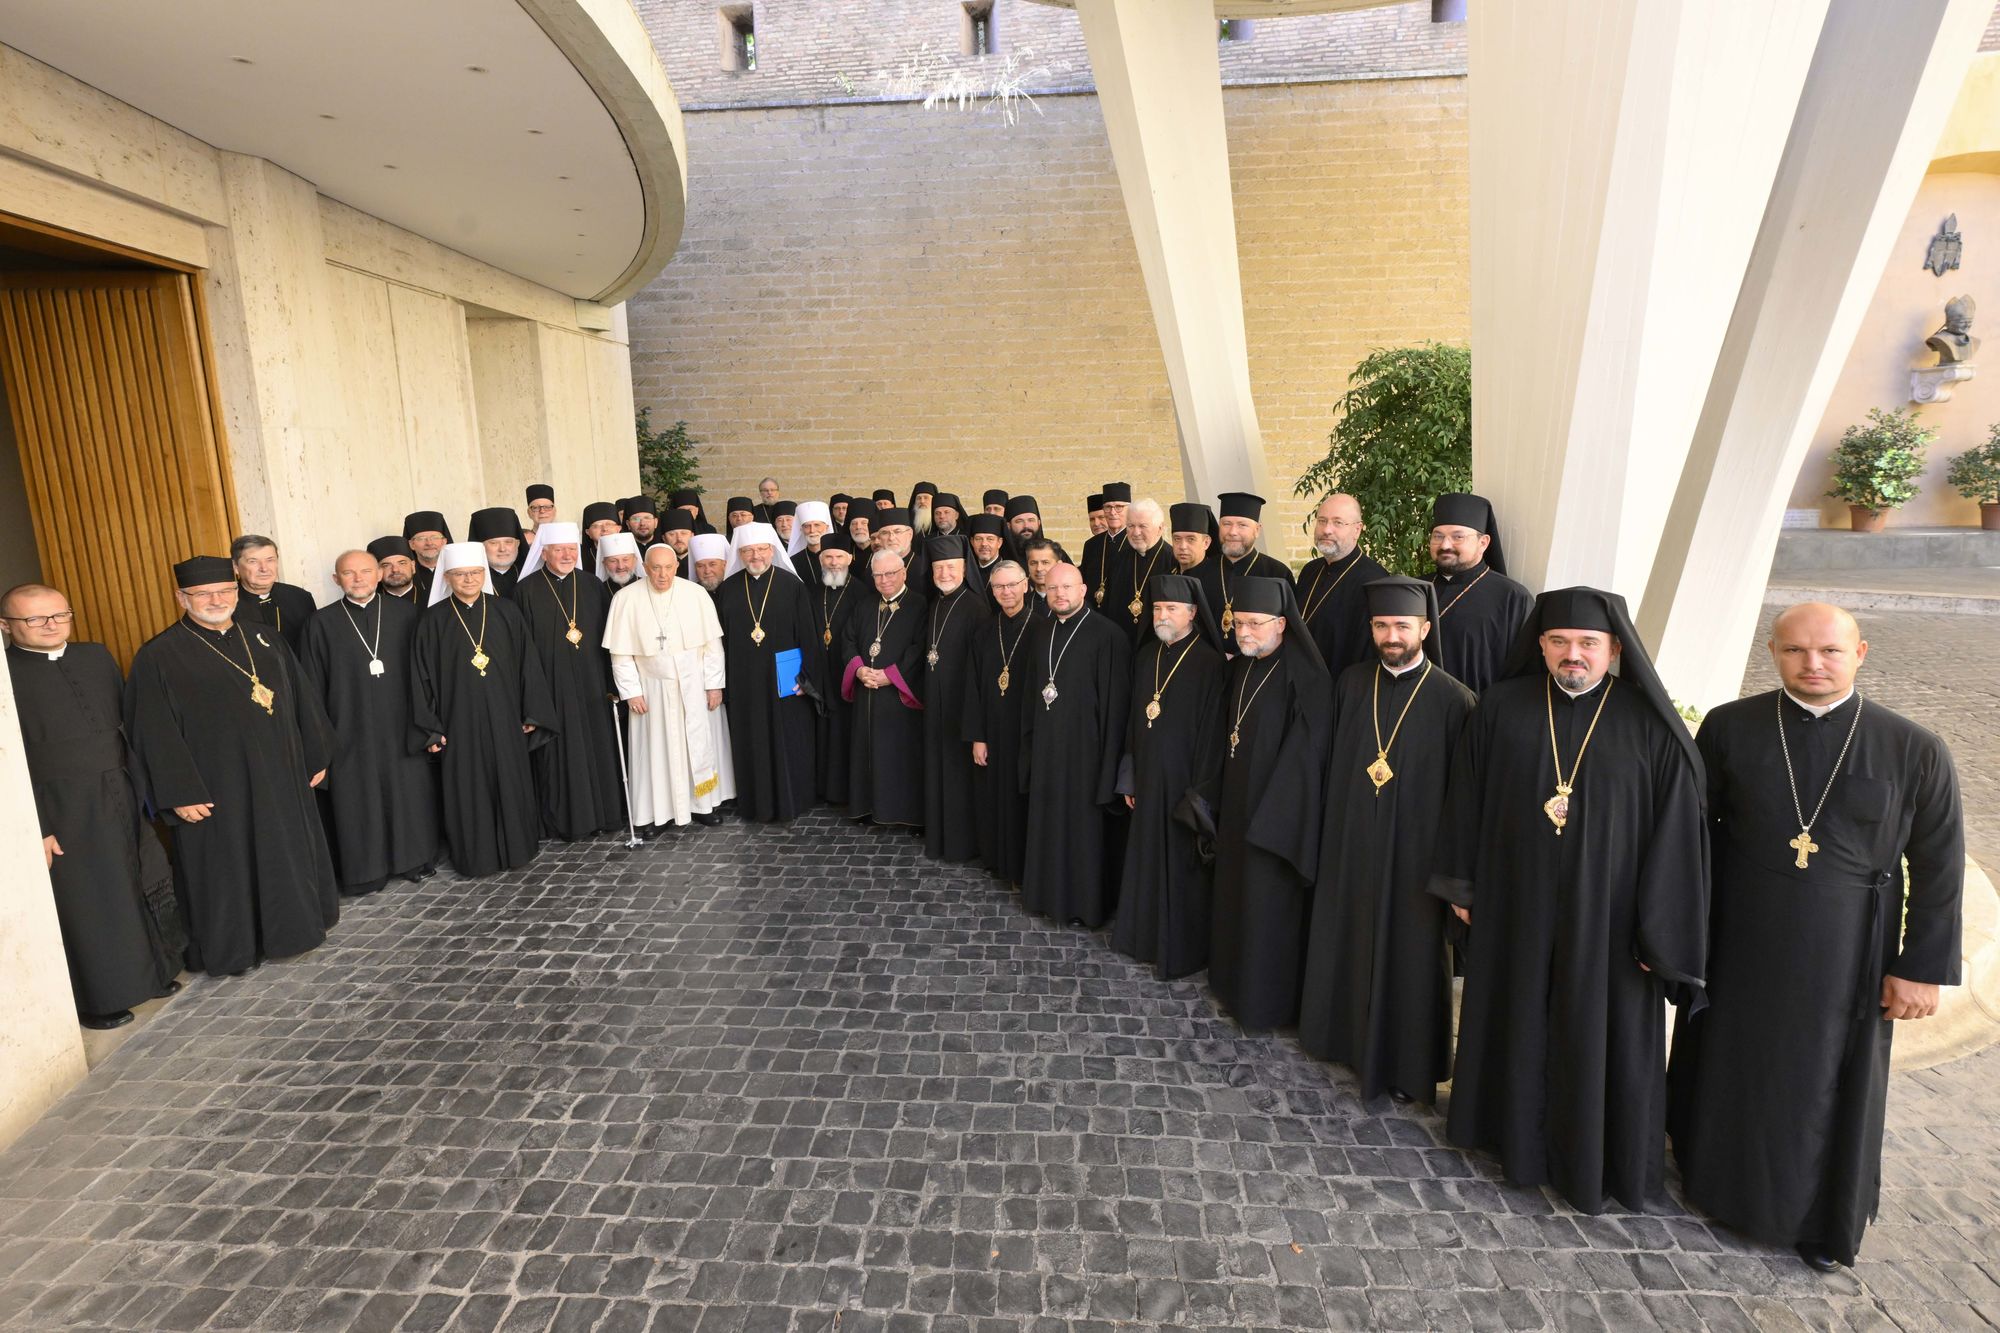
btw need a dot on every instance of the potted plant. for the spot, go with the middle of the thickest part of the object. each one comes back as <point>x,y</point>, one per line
<point>1876,466</point>
<point>1975,474</point>
<point>1404,436</point>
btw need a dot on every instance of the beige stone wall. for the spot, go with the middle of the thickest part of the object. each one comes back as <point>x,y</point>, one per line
<point>353,362</point>
<point>873,295</point>
<point>1908,306</point>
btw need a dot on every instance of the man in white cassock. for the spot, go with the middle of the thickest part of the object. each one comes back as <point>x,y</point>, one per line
<point>666,664</point>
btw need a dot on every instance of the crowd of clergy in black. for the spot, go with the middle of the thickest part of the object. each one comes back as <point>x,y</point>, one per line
<point>1332,789</point>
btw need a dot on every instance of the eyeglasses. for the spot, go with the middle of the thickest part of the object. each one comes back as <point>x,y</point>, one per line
<point>1255,622</point>
<point>36,622</point>
<point>1012,586</point>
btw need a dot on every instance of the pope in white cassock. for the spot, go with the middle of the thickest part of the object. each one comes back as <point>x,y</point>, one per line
<point>666,664</point>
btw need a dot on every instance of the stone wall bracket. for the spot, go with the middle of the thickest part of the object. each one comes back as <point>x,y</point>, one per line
<point>1932,384</point>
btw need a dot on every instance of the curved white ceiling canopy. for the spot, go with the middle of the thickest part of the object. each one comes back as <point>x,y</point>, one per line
<point>539,136</point>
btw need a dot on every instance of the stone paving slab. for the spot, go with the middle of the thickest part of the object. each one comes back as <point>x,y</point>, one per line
<point>804,1079</point>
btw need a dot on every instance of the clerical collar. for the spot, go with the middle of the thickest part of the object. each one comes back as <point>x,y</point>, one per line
<point>1469,569</point>
<point>1407,667</point>
<point>1820,710</point>
<point>53,654</point>
<point>363,605</point>
<point>263,596</point>
<point>1347,559</point>
<point>1578,694</point>
<point>406,591</point>
<point>502,569</point>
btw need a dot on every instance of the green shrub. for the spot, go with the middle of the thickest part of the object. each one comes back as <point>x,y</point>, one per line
<point>1876,466</point>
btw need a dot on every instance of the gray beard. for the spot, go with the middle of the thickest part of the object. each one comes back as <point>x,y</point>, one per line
<point>1166,634</point>
<point>617,582</point>
<point>833,578</point>
<point>708,585</point>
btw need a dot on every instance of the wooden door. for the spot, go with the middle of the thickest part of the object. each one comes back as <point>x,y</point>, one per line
<point>119,443</point>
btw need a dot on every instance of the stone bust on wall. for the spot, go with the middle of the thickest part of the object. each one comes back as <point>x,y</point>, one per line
<point>1954,342</point>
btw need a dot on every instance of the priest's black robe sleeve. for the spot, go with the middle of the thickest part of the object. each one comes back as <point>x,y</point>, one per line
<point>1287,822</point>
<point>1673,891</point>
<point>1932,948</point>
<point>163,764</point>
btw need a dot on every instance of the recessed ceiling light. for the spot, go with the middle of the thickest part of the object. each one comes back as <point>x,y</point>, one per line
<point>475,69</point>
<point>324,116</point>
<point>242,60</point>
<point>534,131</point>
<point>562,178</point>
<point>388,166</point>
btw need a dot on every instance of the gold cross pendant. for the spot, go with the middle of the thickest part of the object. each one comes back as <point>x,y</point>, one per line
<point>1379,773</point>
<point>262,695</point>
<point>1802,845</point>
<point>1557,807</point>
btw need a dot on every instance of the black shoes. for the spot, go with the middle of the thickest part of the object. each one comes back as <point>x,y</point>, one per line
<point>1401,1098</point>
<point>1818,1259</point>
<point>173,988</point>
<point>709,818</point>
<point>105,1022</point>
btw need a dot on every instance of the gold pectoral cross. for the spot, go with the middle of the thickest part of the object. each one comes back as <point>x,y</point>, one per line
<point>1379,773</point>
<point>1803,844</point>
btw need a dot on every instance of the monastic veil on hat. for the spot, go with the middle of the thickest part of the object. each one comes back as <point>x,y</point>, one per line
<point>1187,590</point>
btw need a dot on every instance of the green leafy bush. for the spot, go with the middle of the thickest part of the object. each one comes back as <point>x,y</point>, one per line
<point>668,460</point>
<point>1403,438</point>
<point>1876,466</point>
<point>1975,474</point>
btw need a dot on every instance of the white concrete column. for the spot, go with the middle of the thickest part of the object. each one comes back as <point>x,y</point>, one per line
<point>1159,86</point>
<point>1882,85</point>
<point>1622,151</point>
<point>41,1048</point>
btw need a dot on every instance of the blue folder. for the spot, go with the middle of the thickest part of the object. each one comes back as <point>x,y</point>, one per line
<point>788,663</point>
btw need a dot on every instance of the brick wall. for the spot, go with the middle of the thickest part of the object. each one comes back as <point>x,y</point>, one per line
<point>811,51</point>
<point>876,294</point>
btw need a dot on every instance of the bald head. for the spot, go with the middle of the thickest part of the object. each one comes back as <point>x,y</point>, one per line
<point>1817,649</point>
<point>357,573</point>
<point>1064,589</point>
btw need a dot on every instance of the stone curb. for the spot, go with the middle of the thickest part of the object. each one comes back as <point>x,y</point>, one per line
<point>1856,599</point>
<point>1968,1017</point>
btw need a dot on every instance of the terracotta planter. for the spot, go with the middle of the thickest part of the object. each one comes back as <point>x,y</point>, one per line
<point>1863,519</point>
<point>1989,516</point>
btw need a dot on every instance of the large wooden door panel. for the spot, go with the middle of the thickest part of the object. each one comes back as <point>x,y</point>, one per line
<point>119,447</point>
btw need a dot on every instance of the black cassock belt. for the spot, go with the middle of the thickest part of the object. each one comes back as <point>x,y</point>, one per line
<point>1885,921</point>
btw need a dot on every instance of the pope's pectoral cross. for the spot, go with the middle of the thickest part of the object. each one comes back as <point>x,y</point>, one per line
<point>1803,844</point>
<point>663,641</point>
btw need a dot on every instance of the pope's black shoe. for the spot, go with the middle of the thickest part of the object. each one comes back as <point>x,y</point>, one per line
<point>1818,1259</point>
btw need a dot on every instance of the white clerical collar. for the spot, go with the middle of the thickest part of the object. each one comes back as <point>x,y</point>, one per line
<point>1820,710</point>
<point>502,569</point>
<point>362,605</point>
<point>1578,694</point>
<point>53,654</point>
<point>1405,669</point>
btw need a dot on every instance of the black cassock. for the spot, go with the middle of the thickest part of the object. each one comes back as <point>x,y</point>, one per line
<point>953,624</point>
<point>831,608</point>
<point>772,741</point>
<point>576,771</point>
<point>505,580</point>
<point>1070,748</point>
<point>1778,1086</point>
<point>1220,577</point>
<point>1163,899</point>
<point>254,878</point>
<point>1479,613</point>
<point>1378,974</point>
<point>1100,555</point>
<point>380,797</point>
<point>113,887</point>
<point>492,819</point>
<point>806,563</point>
<point>421,580</point>
<point>992,717</point>
<point>1562,1036</point>
<point>1336,609</point>
<point>885,769</point>
<point>1267,804</point>
<point>285,608</point>
<point>1128,603</point>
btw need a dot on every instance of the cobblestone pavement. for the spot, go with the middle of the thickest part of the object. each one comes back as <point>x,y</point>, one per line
<point>801,1078</point>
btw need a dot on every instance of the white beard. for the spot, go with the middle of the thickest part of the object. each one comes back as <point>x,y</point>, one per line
<point>833,578</point>
<point>1326,549</point>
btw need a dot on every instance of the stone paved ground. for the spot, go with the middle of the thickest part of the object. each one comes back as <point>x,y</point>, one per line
<point>803,1079</point>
